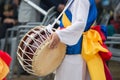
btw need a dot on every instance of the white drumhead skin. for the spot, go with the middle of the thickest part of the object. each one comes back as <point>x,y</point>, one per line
<point>46,60</point>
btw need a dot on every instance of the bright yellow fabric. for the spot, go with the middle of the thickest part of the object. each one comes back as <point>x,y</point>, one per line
<point>96,68</point>
<point>91,44</point>
<point>66,22</point>
<point>4,69</point>
<point>90,48</point>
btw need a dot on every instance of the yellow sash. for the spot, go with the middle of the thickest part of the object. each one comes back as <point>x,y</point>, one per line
<point>91,45</point>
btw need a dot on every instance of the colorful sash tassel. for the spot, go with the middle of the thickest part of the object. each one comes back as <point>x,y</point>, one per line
<point>105,55</point>
<point>91,51</point>
<point>5,60</point>
<point>107,71</point>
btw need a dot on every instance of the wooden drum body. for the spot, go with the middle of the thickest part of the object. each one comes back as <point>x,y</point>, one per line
<point>34,54</point>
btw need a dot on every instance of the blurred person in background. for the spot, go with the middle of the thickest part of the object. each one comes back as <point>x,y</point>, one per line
<point>27,13</point>
<point>99,9</point>
<point>47,4</point>
<point>10,17</point>
<point>2,3</point>
<point>114,22</point>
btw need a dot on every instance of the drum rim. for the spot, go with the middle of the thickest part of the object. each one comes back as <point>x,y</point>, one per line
<point>18,54</point>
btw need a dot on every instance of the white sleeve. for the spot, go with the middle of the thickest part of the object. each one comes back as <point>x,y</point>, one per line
<point>72,33</point>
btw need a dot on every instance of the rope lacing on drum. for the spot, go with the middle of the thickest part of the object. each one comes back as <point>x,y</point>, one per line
<point>39,36</point>
<point>32,37</point>
<point>28,69</point>
<point>27,45</point>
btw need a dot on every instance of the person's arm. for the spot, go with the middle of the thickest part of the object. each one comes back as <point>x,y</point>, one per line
<point>71,34</point>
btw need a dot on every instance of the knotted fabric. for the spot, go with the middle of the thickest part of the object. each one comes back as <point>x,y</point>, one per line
<point>95,54</point>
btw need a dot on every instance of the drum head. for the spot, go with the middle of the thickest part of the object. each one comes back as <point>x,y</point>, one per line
<point>47,60</point>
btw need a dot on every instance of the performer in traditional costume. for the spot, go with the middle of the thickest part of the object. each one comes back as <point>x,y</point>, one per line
<point>76,32</point>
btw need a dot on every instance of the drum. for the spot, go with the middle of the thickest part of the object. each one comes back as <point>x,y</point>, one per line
<point>34,54</point>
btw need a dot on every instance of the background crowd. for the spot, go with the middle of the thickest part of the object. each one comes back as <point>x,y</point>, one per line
<point>16,12</point>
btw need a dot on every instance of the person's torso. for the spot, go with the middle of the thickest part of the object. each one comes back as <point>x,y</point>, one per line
<point>76,49</point>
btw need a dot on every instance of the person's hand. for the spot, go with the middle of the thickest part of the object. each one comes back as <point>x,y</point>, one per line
<point>60,7</point>
<point>6,13</point>
<point>8,20</point>
<point>54,40</point>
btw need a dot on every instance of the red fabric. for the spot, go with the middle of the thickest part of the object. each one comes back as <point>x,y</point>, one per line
<point>107,72</point>
<point>105,55</point>
<point>5,57</point>
<point>4,79</point>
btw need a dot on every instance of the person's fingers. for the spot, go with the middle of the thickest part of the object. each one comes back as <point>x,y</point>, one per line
<point>50,37</point>
<point>53,41</point>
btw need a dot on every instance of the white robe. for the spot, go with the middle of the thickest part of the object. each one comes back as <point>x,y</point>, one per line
<point>73,67</point>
